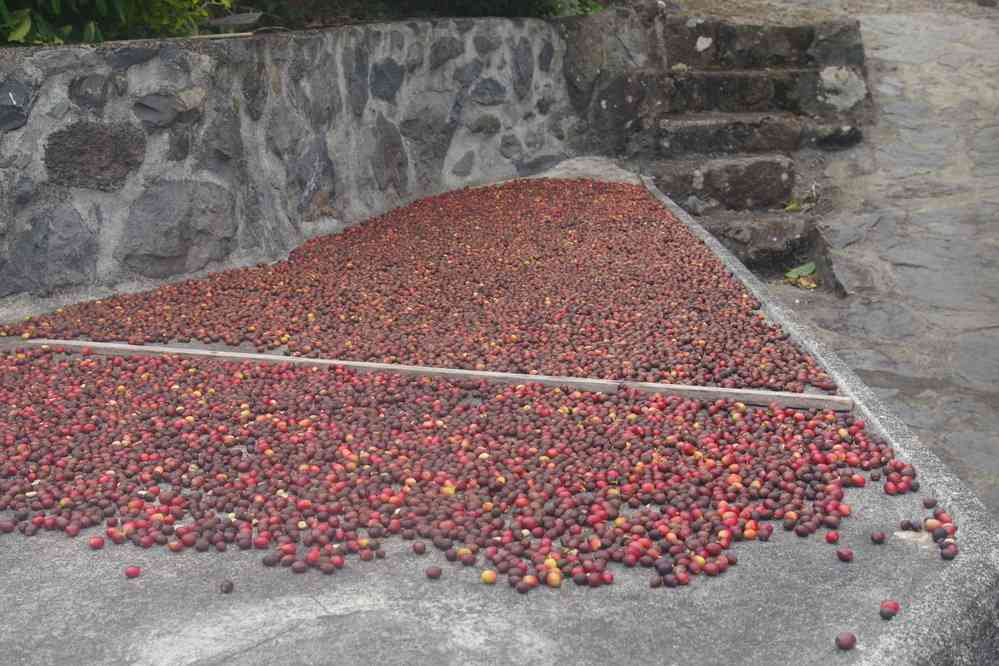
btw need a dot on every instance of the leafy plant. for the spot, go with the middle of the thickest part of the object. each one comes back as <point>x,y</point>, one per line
<point>575,7</point>
<point>66,21</point>
<point>298,13</point>
<point>171,18</point>
<point>802,276</point>
<point>590,7</point>
<point>63,21</point>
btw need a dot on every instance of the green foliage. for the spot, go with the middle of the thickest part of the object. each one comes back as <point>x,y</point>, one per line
<point>64,21</point>
<point>590,7</point>
<point>803,276</point>
<point>171,18</point>
<point>298,13</point>
<point>489,7</point>
<point>801,271</point>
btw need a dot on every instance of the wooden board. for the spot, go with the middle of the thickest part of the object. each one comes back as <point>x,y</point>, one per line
<point>707,393</point>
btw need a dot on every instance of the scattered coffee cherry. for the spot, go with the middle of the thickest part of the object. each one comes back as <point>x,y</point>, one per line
<point>889,609</point>
<point>317,465</point>
<point>846,641</point>
<point>844,554</point>
<point>226,587</point>
<point>132,572</point>
<point>433,573</point>
<point>554,579</point>
<point>878,538</point>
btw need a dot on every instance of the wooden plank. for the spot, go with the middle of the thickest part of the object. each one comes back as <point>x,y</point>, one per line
<point>456,374</point>
<point>836,403</point>
<point>223,35</point>
<point>707,393</point>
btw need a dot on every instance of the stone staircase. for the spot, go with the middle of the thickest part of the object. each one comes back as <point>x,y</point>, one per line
<point>740,110</point>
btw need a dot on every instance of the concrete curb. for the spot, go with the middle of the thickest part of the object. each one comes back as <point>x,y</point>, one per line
<point>960,623</point>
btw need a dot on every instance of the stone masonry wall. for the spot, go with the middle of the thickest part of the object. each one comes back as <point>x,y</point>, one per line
<point>159,159</point>
<point>148,160</point>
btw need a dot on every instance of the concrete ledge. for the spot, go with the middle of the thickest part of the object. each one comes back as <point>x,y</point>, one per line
<point>958,616</point>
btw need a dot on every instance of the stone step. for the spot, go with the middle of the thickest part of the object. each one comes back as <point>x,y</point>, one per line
<point>713,133</point>
<point>707,43</point>
<point>767,242</point>
<point>796,90</point>
<point>831,91</point>
<point>737,183</point>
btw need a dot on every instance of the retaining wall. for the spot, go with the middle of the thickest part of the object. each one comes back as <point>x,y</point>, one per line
<point>149,160</point>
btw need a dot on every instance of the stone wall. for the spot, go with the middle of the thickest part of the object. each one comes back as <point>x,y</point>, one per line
<point>147,160</point>
<point>158,159</point>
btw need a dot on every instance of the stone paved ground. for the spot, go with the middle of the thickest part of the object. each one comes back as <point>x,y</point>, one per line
<point>916,236</point>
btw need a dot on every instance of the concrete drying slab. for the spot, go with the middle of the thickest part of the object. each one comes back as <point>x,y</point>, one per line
<point>783,604</point>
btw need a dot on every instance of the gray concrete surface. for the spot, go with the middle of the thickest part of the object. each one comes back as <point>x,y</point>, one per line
<point>784,603</point>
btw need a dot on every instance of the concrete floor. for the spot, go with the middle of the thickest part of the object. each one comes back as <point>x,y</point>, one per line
<point>784,603</point>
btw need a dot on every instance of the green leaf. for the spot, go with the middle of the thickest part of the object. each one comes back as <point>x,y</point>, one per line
<point>22,26</point>
<point>801,271</point>
<point>119,8</point>
<point>4,13</point>
<point>793,206</point>
<point>102,7</point>
<point>43,31</point>
<point>90,32</point>
<point>56,7</point>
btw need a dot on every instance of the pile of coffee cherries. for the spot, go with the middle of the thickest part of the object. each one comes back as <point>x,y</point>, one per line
<point>556,277</point>
<point>317,466</point>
